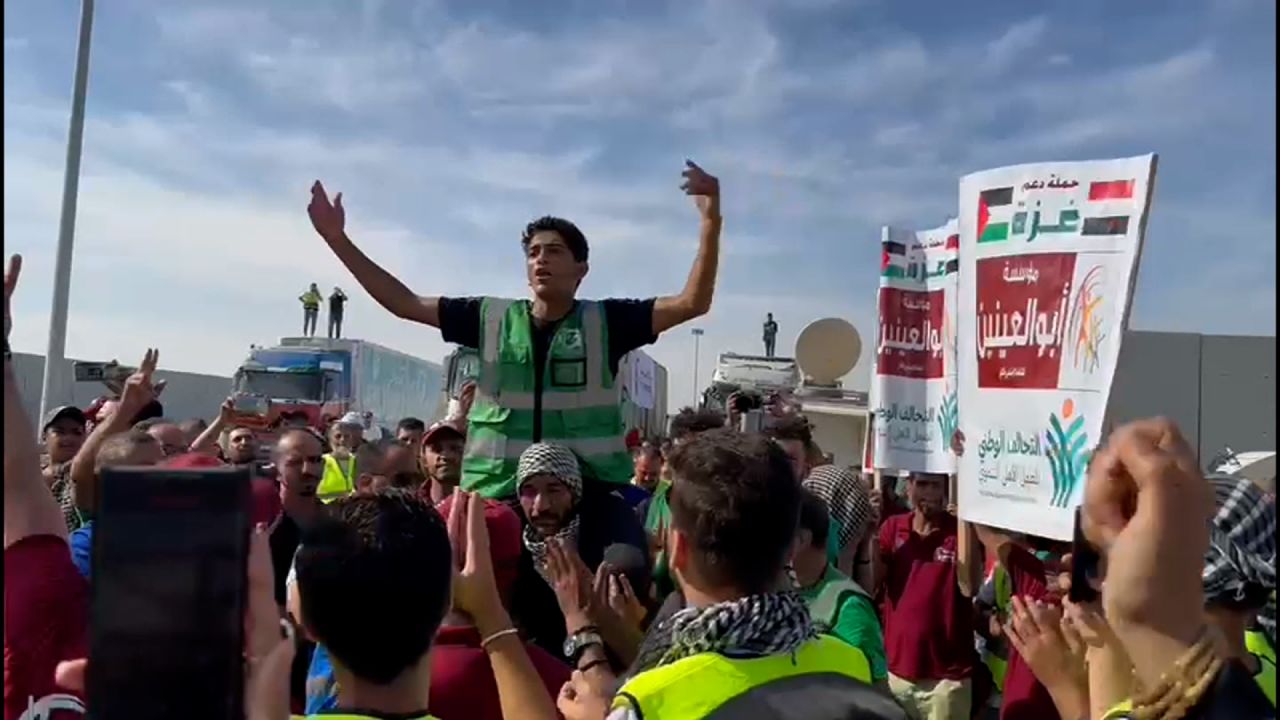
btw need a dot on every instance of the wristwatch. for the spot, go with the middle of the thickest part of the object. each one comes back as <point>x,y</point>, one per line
<point>577,643</point>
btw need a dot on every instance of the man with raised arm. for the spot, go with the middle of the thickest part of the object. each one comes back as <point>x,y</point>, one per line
<point>548,364</point>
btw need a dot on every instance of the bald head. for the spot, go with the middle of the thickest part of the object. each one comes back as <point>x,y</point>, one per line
<point>299,458</point>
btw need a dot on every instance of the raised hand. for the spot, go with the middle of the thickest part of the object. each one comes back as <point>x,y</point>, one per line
<point>475,591</point>
<point>704,188</point>
<point>10,284</point>
<point>1147,507</point>
<point>139,390</point>
<point>572,583</point>
<point>329,219</point>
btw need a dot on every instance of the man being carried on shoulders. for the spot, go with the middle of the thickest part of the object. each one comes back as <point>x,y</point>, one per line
<point>547,365</point>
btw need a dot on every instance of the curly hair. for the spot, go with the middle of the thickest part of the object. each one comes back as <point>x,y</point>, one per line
<point>572,236</point>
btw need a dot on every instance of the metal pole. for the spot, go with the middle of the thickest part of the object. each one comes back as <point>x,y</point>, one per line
<point>56,390</point>
<point>697,337</point>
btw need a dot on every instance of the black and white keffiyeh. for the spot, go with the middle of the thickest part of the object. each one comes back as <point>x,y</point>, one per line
<point>847,497</point>
<point>757,625</point>
<point>1242,544</point>
<point>559,461</point>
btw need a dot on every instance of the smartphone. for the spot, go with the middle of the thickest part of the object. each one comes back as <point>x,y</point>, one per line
<point>1085,566</point>
<point>169,592</point>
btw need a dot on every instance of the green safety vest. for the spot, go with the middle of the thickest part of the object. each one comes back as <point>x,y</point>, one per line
<point>336,482</point>
<point>825,608</point>
<point>580,404</point>
<point>696,686</point>
<point>998,665</point>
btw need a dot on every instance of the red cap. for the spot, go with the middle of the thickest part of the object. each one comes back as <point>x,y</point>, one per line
<point>444,426</point>
<point>504,541</point>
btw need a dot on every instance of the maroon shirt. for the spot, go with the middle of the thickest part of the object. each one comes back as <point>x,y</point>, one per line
<point>462,684</point>
<point>46,617</point>
<point>1024,697</point>
<point>928,624</point>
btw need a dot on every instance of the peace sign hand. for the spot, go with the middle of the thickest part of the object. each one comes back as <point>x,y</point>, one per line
<point>139,390</point>
<point>704,187</point>
<point>10,284</point>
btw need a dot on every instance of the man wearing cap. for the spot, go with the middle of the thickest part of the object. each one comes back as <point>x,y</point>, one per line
<point>559,508</point>
<point>548,365</point>
<point>339,479</point>
<point>63,433</point>
<point>442,448</point>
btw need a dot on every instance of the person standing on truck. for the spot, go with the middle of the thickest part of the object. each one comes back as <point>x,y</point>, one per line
<point>547,365</point>
<point>337,302</point>
<point>770,335</point>
<point>310,309</point>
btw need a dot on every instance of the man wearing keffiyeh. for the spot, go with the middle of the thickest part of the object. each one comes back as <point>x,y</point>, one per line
<point>1239,575</point>
<point>586,518</point>
<point>739,643</point>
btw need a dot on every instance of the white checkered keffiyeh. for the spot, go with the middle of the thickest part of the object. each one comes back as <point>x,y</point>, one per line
<point>1242,542</point>
<point>847,498</point>
<point>548,459</point>
<point>557,460</point>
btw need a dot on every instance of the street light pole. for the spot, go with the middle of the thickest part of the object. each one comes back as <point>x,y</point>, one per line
<point>56,385</point>
<point>697,336</point>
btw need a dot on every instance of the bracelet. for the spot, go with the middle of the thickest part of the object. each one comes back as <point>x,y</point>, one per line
<point>1183,685</point>
<point>484,644</point>
<point>592,665</point>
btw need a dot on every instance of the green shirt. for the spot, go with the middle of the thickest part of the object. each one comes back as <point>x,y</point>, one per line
<point>855,624</point>
<point>659,516</point>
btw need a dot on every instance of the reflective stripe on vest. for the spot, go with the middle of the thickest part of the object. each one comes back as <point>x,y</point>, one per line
<point>695,686</point>
<point>580,401</point>
<point>825,608</point>
<point>335,483</point>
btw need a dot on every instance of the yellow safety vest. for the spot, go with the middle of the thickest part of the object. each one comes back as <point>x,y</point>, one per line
<point>695,686</point>
<point>336,482</point>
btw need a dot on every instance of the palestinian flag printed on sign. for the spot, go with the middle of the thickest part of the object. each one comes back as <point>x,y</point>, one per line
<point>893,259</point>
<point>1105,225</point>
<point>994,208</point>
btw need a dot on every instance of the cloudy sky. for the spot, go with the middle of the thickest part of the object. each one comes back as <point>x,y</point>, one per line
<point>448,125</point>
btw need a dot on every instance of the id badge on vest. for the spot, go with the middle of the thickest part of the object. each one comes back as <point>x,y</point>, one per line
<point>568,359</point>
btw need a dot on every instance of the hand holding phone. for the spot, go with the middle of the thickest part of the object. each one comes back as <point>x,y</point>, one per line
<point>167,631</point>
<point>1086,565</point>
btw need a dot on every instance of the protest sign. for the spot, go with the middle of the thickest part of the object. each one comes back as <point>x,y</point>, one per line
<point>913,388</point>
<point>1048,258</point>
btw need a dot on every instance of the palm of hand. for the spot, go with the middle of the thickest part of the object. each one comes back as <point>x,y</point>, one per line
<point>328,218</point>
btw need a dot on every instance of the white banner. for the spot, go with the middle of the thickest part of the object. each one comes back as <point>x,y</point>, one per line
<point>913,386</point>
<point>1048,258</point>
<point>642,380</point>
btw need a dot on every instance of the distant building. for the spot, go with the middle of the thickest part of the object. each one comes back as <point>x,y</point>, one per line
<point>187,395</point>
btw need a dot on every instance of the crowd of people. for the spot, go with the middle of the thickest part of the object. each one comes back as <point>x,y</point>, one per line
<point>521,560</point>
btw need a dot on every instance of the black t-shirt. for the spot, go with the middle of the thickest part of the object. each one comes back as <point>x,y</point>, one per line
<point>336,303</point>
<point>630,325</point>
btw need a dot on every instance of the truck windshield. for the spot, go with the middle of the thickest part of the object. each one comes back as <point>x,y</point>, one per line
<point>280,385</point>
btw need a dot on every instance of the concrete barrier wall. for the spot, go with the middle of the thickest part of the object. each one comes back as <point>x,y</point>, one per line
<point>187,395</point>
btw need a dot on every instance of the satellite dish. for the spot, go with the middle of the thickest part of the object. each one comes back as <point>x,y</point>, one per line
<point>827,349</point>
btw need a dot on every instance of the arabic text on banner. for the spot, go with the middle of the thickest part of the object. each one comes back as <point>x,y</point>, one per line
<point>1048,257</point>
<point>913,388</point>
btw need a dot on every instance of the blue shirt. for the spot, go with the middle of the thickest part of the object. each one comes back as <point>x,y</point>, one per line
<point>322,687</point>
<point>81,541</point>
